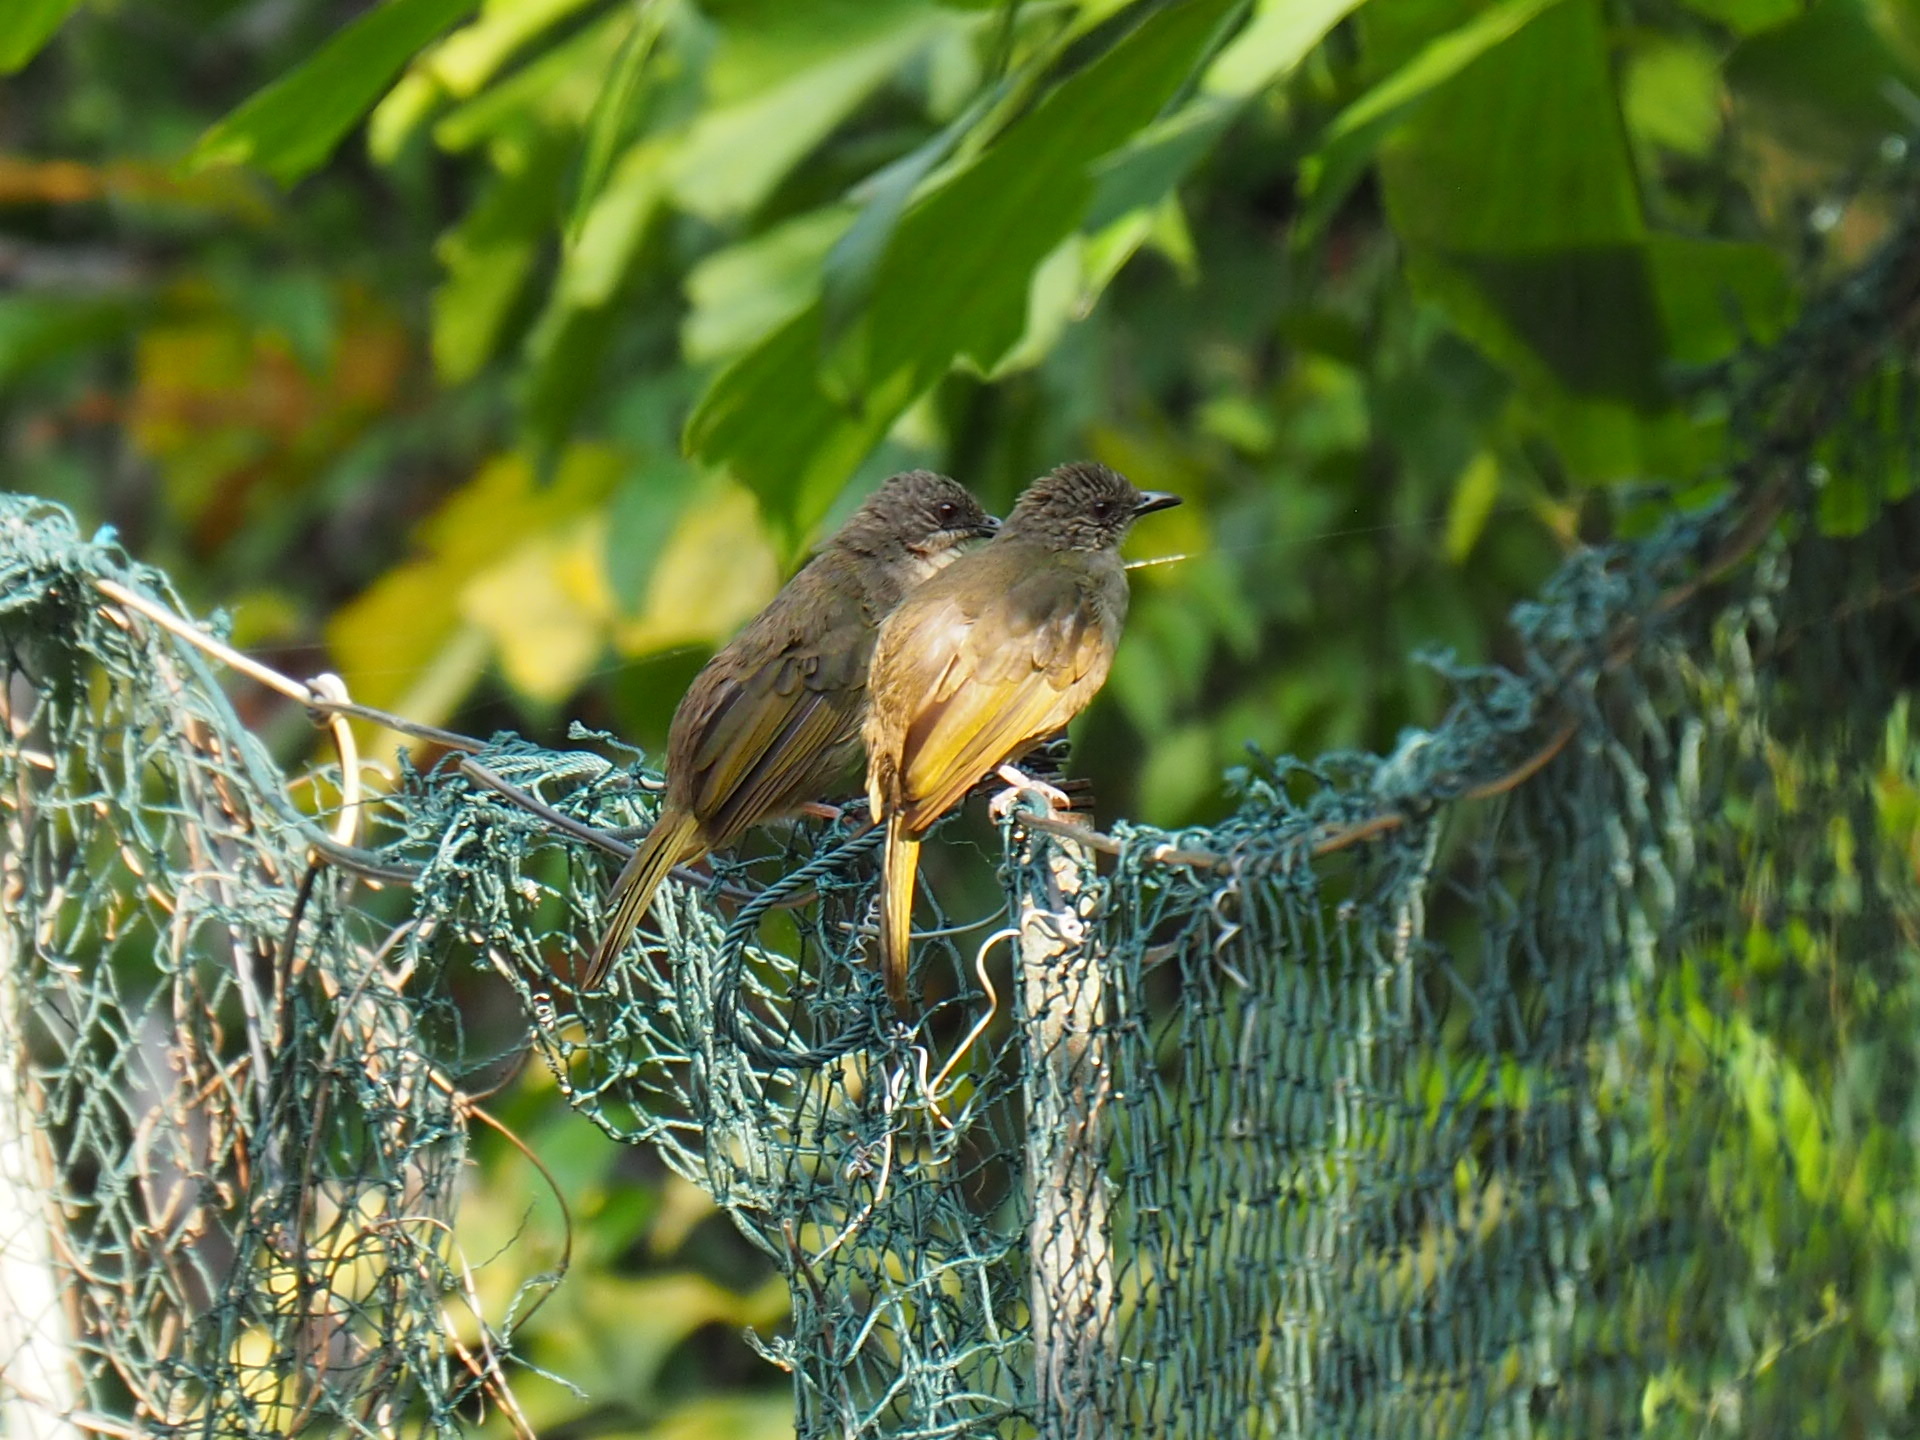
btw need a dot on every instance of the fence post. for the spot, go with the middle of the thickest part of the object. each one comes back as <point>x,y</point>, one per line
<point>1069,1245</point>
<point>37,1361</point>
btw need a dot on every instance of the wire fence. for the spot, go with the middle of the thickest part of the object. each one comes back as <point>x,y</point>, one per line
<point>1549,1075</point>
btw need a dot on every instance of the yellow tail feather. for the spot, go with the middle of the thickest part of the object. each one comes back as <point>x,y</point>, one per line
<point>898,863</point>
<point>674,838</point>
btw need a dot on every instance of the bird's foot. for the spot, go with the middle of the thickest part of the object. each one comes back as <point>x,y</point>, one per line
<point>1019,783</point>
<point>820,810</point>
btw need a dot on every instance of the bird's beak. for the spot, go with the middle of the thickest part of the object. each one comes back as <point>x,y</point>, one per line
<point>988,527</point>
<point>1151,500</point>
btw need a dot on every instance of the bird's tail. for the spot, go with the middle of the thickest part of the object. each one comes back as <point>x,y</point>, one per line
<point>898,862</point>
<point>675,837</point>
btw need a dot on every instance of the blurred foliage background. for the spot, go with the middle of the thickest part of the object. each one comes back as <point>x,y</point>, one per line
<point>503,355</point>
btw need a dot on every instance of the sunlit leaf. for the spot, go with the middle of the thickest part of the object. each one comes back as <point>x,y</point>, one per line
<point>474,54</point>
<point>1472,502</point>
<point>407,636</point>
<point>558,89</point>
<point>25,26</point>
<point>1280,35</point>
<point>609,125</point>
<point>715,572</point>
<point>1439,62</point>
<point>739,294</point>
<point>292,126</point>
<point>736,154</point>
<point>954,280</point>
<point>1673,96</point>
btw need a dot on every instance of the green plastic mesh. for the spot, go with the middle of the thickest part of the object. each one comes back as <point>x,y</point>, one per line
<point>1556,1074</point>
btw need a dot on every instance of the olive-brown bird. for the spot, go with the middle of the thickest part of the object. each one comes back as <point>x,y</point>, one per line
<point>994,654</point>
<point>773,721</point>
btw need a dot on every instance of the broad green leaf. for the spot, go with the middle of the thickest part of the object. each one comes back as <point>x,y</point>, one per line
<point>1280,35</point>
<point>763,43</point>
<point>488,257</point>
<point>609,125</point>
<point>851,265</point>
<point>739,294</point>
<point>1156,160</point>
<point>472,55</point>
<point>596,262</point>
<point>1542,259</point>
<point>1440,62</point>
<point>735,155</point>
<point>954,281</point>
<point>26,26</point>
<point>291,127</point>
<point>556,91</point>
<point>1715,295</point>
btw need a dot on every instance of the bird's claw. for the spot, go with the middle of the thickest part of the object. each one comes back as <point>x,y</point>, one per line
<point>1019,783</point>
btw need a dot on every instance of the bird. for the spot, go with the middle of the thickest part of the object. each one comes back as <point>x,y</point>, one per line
<point>994,654</point>
<point>773,722</point>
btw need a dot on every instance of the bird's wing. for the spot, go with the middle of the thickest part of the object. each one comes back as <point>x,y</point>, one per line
<point>995,672</point>
<point>773,726</point>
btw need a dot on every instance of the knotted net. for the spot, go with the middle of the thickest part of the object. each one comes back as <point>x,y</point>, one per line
<point>1554,1074</point>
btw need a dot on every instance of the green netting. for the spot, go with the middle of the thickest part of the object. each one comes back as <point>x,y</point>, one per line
<point>1554,1074</point>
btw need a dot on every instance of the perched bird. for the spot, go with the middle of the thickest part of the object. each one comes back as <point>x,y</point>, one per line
<point>994,654</point>
<point>773,721</point>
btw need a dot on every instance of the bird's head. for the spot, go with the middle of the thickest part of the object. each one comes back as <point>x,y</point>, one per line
<point>920,513</point>
<point>1083,506</point>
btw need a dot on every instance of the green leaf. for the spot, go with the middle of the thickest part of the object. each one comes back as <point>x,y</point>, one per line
<point>1438,63</point>
<point>1829,71</point>
<point>737,295</point>
<point>1673,96</point>
<point>737,154</point>
<point>847,276</point>
<point>556,90</point>
<point>1543,259</point>
<point>1280,35</point>
<point>1473,496</point>
<point>26,26</point>
<point>608,128</point>
<point>640,520</point>
<point>954,281</point>
<point>488,257</point>
<point>291,127</point>
<point>1715,295</point>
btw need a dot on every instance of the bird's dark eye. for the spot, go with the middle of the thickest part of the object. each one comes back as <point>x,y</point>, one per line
<point>947,510</point>
<point>1102,509</point>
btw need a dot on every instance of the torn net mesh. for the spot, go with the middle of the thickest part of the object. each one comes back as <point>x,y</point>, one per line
<point>1390,1106</point>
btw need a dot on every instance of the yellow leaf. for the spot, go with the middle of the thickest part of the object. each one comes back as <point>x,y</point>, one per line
<point>716,571</point>
<point>546,610</point>
<point>406,642</point>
